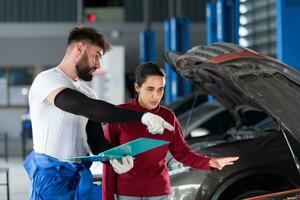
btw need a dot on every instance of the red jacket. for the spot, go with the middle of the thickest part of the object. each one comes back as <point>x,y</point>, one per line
<point>149,176</point>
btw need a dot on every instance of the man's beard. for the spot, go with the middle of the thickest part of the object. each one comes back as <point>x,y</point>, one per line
<point>83,69</point>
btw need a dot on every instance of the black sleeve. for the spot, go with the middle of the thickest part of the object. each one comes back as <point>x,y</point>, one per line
<point>95,137</point>
<point>99,111</point>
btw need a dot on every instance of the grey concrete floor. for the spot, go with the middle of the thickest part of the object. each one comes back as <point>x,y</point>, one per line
<point>19,184</point>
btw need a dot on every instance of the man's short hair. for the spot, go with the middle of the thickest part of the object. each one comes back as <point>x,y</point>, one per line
<point>90,35</point>
<point>143,71</point>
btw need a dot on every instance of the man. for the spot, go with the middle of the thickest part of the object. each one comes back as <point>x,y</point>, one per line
<point>60,106</point>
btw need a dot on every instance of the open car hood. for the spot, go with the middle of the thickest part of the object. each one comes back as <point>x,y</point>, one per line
<point>235,75</point>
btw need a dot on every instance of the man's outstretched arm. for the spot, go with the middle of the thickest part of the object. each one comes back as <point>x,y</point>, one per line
<point>101,111</point>
<point>97,110</point>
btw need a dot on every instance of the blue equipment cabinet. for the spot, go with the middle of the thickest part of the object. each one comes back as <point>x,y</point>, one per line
<point>176,39</point>
<point>288,31</point>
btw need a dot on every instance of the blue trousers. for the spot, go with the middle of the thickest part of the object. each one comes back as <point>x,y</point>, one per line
<point>53,179</point>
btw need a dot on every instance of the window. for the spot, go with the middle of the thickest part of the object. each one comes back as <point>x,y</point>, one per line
<point>3,87</point>
<point>103,11</point>
<point>258,26</point>
<point>14,86</point>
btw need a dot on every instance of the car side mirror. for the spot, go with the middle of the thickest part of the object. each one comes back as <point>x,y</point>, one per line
<point>198,132</point>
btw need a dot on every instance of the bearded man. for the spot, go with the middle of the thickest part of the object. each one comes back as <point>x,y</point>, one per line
<point>63,110</point>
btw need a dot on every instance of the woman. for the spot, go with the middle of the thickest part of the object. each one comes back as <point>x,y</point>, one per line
<point>149,177</point>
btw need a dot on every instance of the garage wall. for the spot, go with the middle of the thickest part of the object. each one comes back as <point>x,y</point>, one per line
<point>42,45</point>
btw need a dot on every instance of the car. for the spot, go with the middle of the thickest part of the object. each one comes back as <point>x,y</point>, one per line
<point>211,120</point>
<point>268,148</point>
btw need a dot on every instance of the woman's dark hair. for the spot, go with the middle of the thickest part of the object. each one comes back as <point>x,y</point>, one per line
<point>90,35</point>
<point>147,69</point>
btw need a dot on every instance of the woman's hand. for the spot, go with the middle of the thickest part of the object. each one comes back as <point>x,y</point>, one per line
<point>219,163</point>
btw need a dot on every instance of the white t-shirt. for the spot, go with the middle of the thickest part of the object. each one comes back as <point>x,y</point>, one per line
<point>55,132</point>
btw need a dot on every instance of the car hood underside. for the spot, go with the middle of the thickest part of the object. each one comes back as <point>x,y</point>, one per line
<point>239,76</point>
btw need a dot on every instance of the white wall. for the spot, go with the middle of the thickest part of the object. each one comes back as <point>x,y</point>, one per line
<point>10,121</point>
<point>109,82</point>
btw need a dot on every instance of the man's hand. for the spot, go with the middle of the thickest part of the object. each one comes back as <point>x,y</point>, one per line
<point>219,163</point>
<point>122,167</point>
<point>155,124</point>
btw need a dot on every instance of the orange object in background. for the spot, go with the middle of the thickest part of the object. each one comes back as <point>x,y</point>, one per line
<point>285,195</point>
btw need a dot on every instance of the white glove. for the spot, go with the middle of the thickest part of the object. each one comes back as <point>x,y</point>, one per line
<point>122,167</point>
<point>155,124</point>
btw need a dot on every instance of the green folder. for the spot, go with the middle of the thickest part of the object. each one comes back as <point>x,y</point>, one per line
<point>131,148</point>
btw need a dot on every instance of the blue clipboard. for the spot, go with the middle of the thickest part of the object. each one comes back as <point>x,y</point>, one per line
<point>131,148</point>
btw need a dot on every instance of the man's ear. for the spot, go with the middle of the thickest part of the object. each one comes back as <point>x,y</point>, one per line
<point>80,48</point>
<point>136,87</point>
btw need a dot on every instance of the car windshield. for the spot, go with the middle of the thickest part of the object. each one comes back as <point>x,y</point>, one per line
<point>266,124</point>
<point>199,112</point>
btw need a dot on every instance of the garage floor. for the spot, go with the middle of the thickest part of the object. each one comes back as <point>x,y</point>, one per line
<point>18,181</point>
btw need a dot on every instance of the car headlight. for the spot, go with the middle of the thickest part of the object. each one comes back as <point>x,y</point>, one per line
<point>184,192</point>
<point>174,164</point>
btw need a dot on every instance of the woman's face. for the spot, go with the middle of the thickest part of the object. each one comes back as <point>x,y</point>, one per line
<point>151,91</point>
